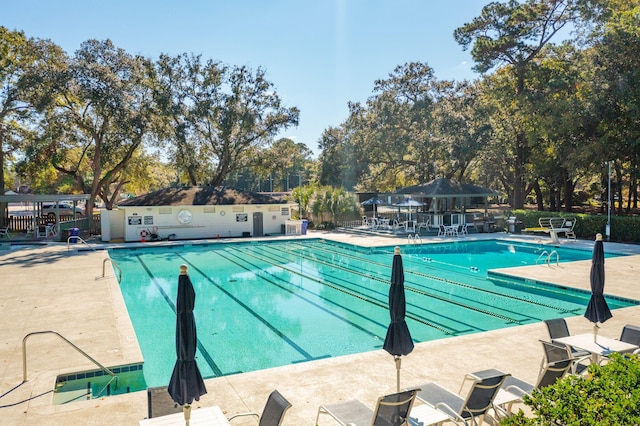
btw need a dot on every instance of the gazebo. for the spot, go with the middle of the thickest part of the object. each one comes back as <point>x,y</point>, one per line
<point>444,194</point>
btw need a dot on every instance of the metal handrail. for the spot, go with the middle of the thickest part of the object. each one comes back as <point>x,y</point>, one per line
<point>24,352</point>
<point>544,253</point>
<point>81,240</point>
<point>413,239</point>
<point>118,275</point>
<point>548,257</point>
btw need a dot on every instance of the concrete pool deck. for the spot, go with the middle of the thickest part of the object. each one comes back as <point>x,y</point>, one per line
<point>52,288</point>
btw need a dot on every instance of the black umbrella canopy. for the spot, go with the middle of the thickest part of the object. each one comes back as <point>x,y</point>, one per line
<point>597,309</point>
<point>398,341</point>
<point>375,202</point>
<point>186,382</point>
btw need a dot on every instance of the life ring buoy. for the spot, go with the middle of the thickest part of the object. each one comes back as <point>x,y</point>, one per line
<point>144,234</point>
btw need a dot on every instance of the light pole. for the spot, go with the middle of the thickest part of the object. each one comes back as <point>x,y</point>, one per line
<point>608,227</point>
<point>299,195</point>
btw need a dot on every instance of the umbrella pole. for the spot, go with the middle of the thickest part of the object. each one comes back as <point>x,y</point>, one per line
<point>186,409</point>
<point>398,362</point>
<point>595,332</point>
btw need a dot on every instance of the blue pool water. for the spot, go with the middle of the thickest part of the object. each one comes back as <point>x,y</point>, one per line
<point>266,304</point>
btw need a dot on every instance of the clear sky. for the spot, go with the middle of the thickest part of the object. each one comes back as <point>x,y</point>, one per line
<point>320,54</point>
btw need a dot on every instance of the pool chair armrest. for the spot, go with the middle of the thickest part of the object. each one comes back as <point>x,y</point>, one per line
<point>516,390</point>
<point>243,415</point>
<point>446,408</point>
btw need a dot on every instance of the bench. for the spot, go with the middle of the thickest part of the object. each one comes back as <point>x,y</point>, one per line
<point>555,226</point>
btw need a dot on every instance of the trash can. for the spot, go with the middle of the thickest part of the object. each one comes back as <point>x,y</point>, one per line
<point>514,225</point>
<point>305,223</point>
<point>73,233</point>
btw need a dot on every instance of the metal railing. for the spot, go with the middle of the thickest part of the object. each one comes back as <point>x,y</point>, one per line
<point>414,239</point>
<point>115,265</point>
<point>24,352</point>
<point>546,256</point>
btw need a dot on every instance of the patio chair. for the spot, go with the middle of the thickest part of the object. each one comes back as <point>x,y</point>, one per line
<point>555,364</point>
<point>631,334</point>
<point>558,328</point>
<point>390,410</point>
<point>410,226</point>
<point>426,224</point>
<point>468,410</point>
<point>273,411</point>
<point>4,232</point>
<point>569,224</point>
<point>159,402</point>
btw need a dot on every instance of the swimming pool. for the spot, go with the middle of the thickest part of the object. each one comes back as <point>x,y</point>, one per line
<point>266,304</point>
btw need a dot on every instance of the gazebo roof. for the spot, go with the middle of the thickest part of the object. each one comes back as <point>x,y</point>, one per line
<point>446,188</point>
<point>199,196</point>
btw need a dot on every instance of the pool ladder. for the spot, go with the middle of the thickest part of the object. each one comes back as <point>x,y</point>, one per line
<point>414,239</point>
<point>545,255</point>
<point>116,267</point>
<point>24,357</point>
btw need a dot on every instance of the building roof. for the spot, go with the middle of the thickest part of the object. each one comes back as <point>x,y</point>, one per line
<point>199,196</point>
<point>446,188</point>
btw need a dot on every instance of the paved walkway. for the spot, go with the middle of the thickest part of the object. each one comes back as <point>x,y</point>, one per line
<point>52,288</point>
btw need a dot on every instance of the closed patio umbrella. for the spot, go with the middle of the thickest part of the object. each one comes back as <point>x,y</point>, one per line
<point>186,382</point>
<point>398,341</point>
<point>597,309</point>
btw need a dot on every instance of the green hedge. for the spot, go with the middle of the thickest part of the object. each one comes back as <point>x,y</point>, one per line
<point>624,229</point>
<point>609,395</point>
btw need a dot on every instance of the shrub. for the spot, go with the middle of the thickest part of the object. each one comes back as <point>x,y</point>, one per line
<point>608,395</point>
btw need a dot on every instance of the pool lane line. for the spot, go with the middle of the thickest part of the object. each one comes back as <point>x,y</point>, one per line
<point>421,319</point>
<point>425,293</point>
<point>468,286</point>
<point>205,354</point>
<point>300,350</point>
<point>265,276</point>
<point>383,305</point>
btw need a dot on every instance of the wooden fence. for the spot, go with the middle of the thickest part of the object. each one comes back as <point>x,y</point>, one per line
<point>19,226</point>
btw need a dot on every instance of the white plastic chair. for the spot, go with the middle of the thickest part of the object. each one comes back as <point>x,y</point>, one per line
<point>4,232</point>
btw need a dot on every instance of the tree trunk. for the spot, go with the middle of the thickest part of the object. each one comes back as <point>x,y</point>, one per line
<point>539,196</point>
<point>568,187</point>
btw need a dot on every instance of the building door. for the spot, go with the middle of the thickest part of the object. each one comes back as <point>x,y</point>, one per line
<point>258,230</point>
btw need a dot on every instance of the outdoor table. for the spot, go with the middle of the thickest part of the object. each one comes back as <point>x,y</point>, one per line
<point>602,346</point>
<point>210,416</point>
<point>423,415</point>
<point>451,230</point>
<point>383,223</point>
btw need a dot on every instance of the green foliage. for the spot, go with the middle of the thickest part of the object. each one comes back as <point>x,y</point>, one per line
<point>608,395</point>
<point>330,205</point>
<point>216,117</point>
